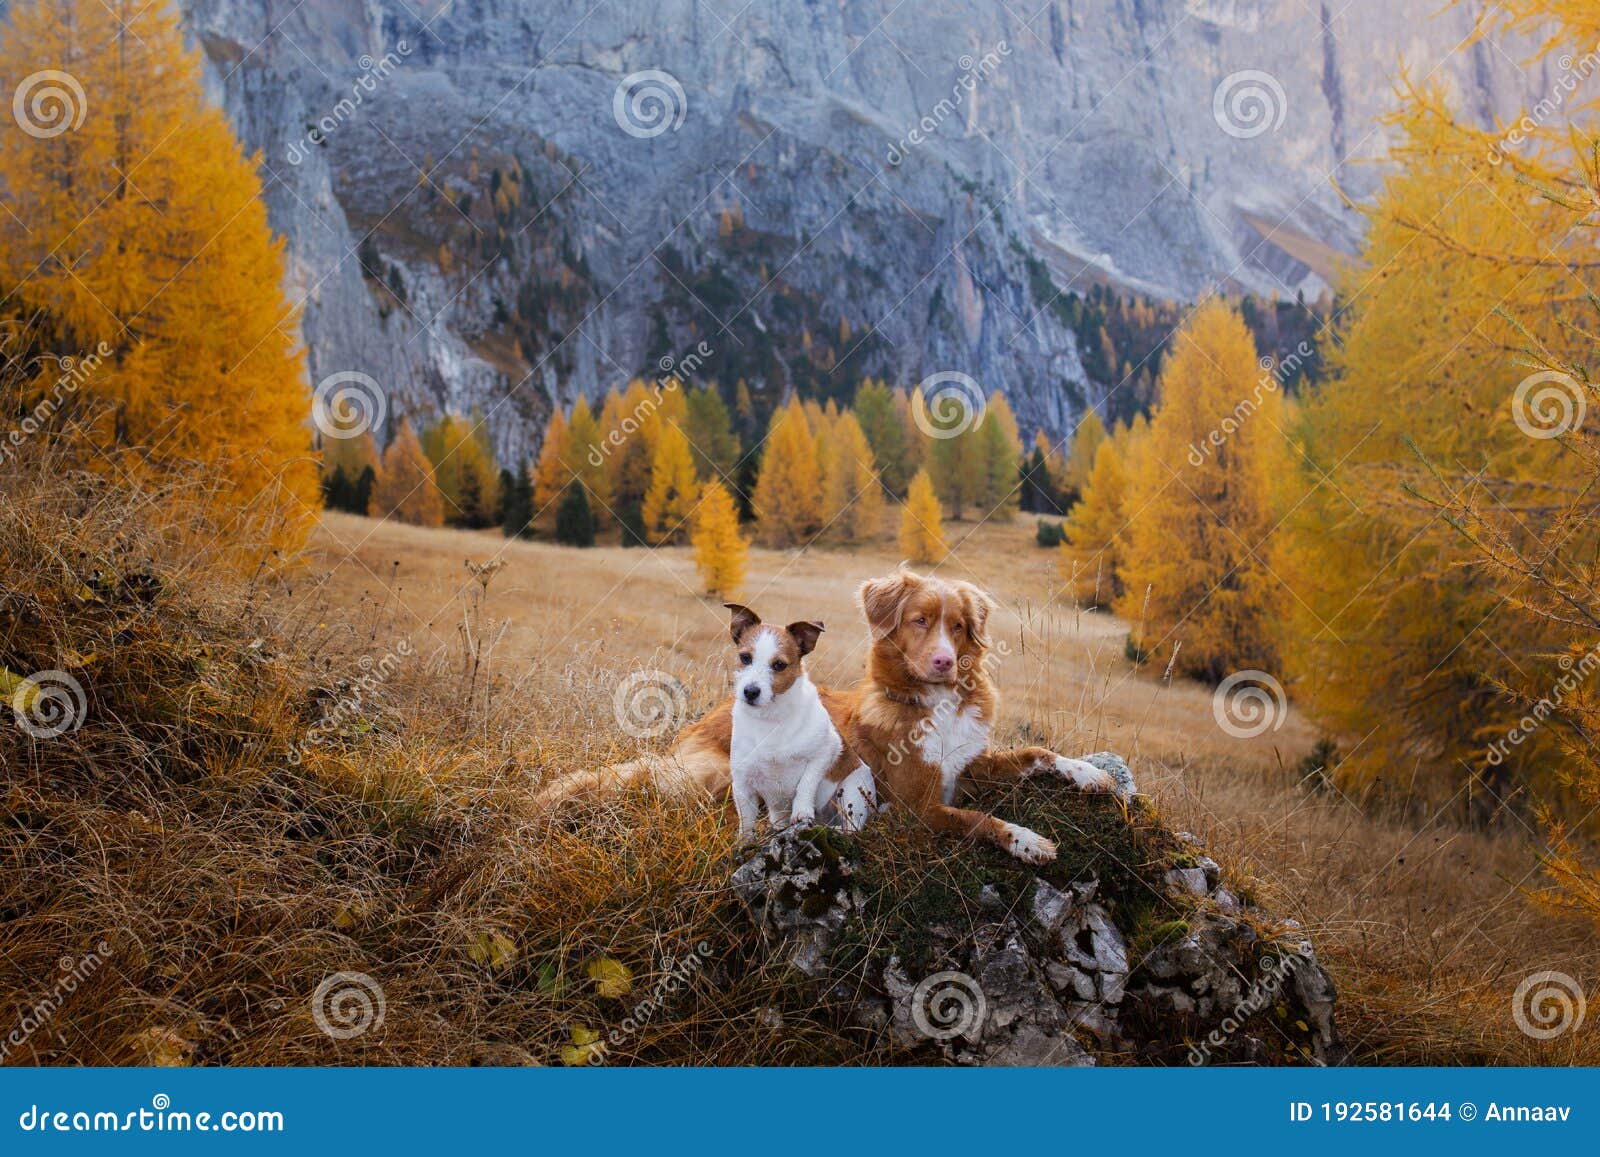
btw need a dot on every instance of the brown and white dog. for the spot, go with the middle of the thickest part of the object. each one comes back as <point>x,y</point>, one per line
<point>785,752</point>
<point>924,714</point>
<point>778,742</point>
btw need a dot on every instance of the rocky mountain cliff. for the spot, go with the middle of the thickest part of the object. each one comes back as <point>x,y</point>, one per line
<point>502,203</point>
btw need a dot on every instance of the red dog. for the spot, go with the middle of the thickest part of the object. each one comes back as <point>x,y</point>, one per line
<point>922,717</point>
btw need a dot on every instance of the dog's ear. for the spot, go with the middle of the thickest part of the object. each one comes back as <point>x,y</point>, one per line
<point>882,600</point>
<point>977,605</point>
<point>743,619</point>
<point>805,633</point>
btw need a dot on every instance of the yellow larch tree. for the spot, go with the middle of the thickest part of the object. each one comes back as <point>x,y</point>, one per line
<point>852,496</point>
<point>881,420</point>
<point>720,551</point>
<point>1080,458</point>
<point>788,496</point>
<point>464,469</point>
<point>674,489</point>
<point>1441,535</point>
<point>551,471</point>
<point>1089,558</point>
<point>1000,448</point>
<point>922,523</point>
<point>406,490</point>
<point>133,218</point>
<point>586,459</point>
<point>1197,536</point>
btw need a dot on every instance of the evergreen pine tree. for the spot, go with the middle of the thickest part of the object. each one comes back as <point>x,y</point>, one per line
<point>575,521</point>
<point>516,517</point>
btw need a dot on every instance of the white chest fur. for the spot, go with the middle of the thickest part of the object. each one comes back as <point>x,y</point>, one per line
<point>952,737</point>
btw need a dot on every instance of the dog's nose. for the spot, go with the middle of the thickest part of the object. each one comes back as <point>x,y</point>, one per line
<point>752,693</point>
<point>942,663</point>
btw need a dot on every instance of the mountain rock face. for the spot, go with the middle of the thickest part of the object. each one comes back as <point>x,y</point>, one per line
<point>506,203</point>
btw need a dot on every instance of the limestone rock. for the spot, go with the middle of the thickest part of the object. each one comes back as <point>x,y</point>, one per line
<point>1034,968</point>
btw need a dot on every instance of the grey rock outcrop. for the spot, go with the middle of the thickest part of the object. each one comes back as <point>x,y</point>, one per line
<point>1062,975</point>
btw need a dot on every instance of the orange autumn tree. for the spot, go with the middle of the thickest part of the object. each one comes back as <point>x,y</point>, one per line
<point>922,522</point>
<point>133,218</point>
<point>673,491</point>
<point>464,469</point>
<point>1194,562</point>
<point>719,549</point>
<point>852,496</point>
<point>788,499</point>
<point>1475,646</point>
<point>585,457</point>
<point>1450,384</point>
<point>406,490</point>
<point>551,471</point>
<point>1090,556</point>
<point>1085,445</point>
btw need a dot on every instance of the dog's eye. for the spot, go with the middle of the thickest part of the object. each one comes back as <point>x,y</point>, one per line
<point>921,620</point>
<point>959,627</point>
<point>779,665</point>
<point>744,660</point>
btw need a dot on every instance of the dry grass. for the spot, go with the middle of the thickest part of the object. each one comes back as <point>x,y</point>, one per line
<point>1422,921</point>
<point>238,817</point>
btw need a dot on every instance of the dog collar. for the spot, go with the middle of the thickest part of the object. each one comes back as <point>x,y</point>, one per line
<point>903,700</point>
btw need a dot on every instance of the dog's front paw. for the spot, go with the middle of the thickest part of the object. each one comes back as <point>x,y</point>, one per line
<point>1083,776</point>
<point>1028,846</point>
<point>802,819</point>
